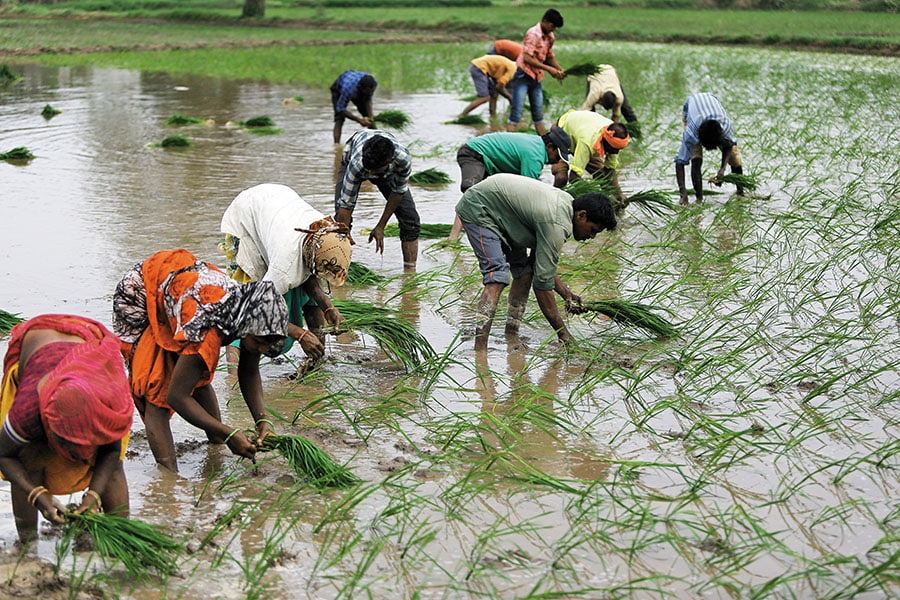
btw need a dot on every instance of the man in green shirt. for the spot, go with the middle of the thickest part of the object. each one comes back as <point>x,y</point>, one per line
<point>507,215</point>
<point>518,153</point>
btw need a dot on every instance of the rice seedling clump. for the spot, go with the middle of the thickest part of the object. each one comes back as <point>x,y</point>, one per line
<point>7,74</point>
<point>629,313</point>
<point>397,119</point>
<point>177,120</point>
<point>396,337</point>
<point>748,182</point>
<point>175,141</point>
<point>309,462</point>
<point>360,274</point>
<point>48,112</point>
<point>261,121</point>
<point>8,320</point>
<point>18,153</point>
<point>427,231</point>
<point>468,120</point>
<point>430,176</point>
<point>582,70</point>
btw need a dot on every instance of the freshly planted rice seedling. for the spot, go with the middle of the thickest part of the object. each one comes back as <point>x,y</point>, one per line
<point>178,120</point>
<point>48,112</point>
<point>430,176</point>
<point>397,338</point>
<point>175,141</point>
<point>629,313</point>
<point>310,463</point>
<point>582,70</point>
<point>428,231</point>
<point>8,321</point>
<point>748,182</point>
<point>20,153</point>
<point>468,120</point>
<point>396,119</point>
<point>360,274</point>
<point>139,546</point>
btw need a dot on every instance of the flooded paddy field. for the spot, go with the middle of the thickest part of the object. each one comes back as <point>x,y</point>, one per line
<point>754,456</point>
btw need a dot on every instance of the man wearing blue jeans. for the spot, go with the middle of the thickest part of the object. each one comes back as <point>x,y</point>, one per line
<point>537,57</point>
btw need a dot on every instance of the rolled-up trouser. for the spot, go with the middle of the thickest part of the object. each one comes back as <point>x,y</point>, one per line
<point>471,166</point>
<point>496,260</point>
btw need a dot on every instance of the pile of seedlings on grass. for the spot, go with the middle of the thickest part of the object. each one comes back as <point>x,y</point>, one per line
<point>8,320</point>
<point>430,176</point>
<point>746,182</point>
<point>7,75</point>
<point>48,112</point>
<point>627,313</point>
<point>360,274</point>
<point>396,337</point>
<point>20,153</point>
<point>427,231</point>
<point>178,120</point>
<point>173,141</point>
<point>582,70</point>
<point>396,119</point>
<point>139,546</point>
<point>467,120</point>
<point>309,462</point>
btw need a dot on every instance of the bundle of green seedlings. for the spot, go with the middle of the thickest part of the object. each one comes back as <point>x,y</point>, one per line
<point>582,70</point>
<point>430,176</point>
<point>8,320</point>
<point>7,74</point>
<point>48,112</point>
<point>587,185</point>
<point>427,231</point>
<point>393,118</point>
<point>177,120</point>
<point>19,153</point>
<point>747,182</point>
<point>174,141</point>
<point>139,546</point>
<point>468,120</point>
<point>360,274</point>
<point>652,201</point>
<point>628,313</point>
<point>262,125</point>
<point>309,462</point>
<point>634,129</point>
<point>397,338</point>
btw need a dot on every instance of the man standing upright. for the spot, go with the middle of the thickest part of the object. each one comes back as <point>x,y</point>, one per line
<point>537,57</point>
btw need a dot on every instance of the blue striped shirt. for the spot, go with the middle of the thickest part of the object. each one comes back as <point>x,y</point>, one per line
<point>698,108</point>
<point>348,83</point>
<point>396,176</point>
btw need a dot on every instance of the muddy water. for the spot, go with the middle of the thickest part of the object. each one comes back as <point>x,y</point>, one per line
<point>98,198</point>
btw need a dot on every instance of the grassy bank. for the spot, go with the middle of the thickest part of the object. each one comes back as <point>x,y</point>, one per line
<point>29,28</point>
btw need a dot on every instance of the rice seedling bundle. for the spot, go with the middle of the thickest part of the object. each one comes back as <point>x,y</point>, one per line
<point>468,120</point>
<point>588,185</point>
<point>139,546</point>
<point>177,120</point>
<point>582,70</point>
<point>8,321</point>
<point>175,141</point>
<point>19,153</point>
<point>7,74</point>
<point>629,313</point>
<point>430,176</point>
<point>748,182</point>
<point>653,201</point>
<point>48,112</point>
<point>264,130</point>
<point>261,121</point>
<point>360,274</point>
<point>396,337</point>
<point>634,129</point>
<point>309,462</point>
<point>393,118</point>
<point>427,231</point>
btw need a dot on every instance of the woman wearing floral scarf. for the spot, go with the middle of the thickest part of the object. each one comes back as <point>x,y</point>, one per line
<point>173,314</point>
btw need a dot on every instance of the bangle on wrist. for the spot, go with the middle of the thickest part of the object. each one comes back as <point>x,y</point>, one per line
<point>303,333</point>
<point>93,494</point>
<point>36,493</point>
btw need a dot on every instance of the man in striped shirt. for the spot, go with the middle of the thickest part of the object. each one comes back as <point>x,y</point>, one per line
<point>375,155</point>
<point>706,125</point>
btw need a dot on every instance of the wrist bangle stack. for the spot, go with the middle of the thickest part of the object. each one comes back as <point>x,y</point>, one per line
<point>36,493</point>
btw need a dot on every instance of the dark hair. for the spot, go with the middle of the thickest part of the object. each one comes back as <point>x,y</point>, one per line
<point>608,100</point>
<point>377,152</point>
<point>710,134</point>
<point>367,82</point>
<point>552,16</point>
<point>619,130</point>
<point>599,209</point>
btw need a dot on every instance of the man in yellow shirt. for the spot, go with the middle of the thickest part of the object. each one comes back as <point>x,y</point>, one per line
<point>598,141</point>
<point>490,74</point>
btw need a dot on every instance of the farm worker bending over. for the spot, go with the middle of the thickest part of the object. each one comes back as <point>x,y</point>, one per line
<point>507,215</point>
<point>357,87</point>
<point>173,313</point>
<point>706,125</point>
<point>604,88</point>
<point>376,156</point>
<point>507,48</point>
<point>597,144</point>
<point>490,74</point>
<point>517,153</point>
<point>66,411</point>
<point>536,57</point>
<point>272,234</point>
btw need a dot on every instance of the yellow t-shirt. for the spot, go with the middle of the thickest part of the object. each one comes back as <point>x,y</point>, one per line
<point>497,67</point>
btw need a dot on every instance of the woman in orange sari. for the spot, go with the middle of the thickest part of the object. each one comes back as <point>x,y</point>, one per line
<point>66,412</point>
<point>173,313</point>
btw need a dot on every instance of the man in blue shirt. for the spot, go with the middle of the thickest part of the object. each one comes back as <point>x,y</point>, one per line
<point>706,125</point>
<point>376,156</point>
<point>357,87</point>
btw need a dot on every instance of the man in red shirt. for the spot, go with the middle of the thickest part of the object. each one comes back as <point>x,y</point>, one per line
<point>537,57</point>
